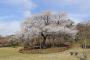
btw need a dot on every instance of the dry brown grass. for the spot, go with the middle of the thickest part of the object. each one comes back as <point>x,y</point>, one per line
<point>45,51</point>
<point>9,53</point>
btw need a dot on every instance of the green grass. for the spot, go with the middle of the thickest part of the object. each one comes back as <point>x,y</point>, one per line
<point>88,42</point>
<point>8,53</point>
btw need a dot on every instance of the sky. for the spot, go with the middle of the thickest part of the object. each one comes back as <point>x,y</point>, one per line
<point>13,12</point>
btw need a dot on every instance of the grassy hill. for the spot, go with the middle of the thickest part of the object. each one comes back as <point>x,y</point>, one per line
<point>8,53</point>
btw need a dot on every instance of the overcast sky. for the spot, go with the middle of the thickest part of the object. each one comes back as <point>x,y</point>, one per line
<point>13,12</point>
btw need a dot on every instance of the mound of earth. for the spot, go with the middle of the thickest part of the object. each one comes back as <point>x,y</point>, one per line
<point>43,51</point>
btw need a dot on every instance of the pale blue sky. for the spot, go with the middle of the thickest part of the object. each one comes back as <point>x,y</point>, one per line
<point>13,12</point>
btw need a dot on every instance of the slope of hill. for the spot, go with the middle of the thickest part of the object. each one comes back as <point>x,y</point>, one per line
<point>9,53</point>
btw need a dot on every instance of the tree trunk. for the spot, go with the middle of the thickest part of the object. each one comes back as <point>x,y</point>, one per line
<point>44,40</point>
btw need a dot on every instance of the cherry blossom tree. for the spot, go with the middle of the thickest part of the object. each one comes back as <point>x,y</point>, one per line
<point>46,24</point>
